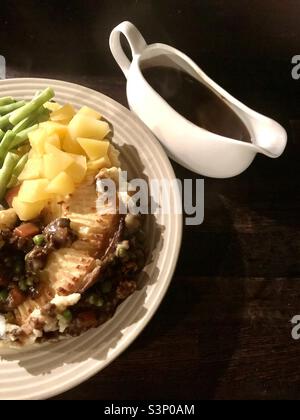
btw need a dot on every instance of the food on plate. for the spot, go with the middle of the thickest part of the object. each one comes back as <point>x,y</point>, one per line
<point>66,262</point>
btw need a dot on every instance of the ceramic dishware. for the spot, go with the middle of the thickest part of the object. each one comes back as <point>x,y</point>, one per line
<point>197,149</point>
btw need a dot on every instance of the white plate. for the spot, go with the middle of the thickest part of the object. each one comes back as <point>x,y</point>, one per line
<point>48,370</point>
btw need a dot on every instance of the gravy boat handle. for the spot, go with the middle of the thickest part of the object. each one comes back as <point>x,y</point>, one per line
<point>135,39</point>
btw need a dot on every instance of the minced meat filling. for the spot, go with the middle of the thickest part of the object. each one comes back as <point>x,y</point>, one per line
<point>56,235</point>
<point>118,282</point>
<point>24,252</point>
<point>59,234</point>
<point>22,258</point>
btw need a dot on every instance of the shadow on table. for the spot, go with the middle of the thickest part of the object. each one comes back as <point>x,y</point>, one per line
<point>80,349</point>
<point>204,305</point>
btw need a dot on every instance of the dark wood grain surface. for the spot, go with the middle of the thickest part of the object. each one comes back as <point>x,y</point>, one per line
<point>223,330</point>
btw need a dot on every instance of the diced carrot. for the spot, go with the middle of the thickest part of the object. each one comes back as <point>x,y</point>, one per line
<point>87,319</point>
<point>26,230</point>
<point>11,194</point>
<point>15,297</point>
<point>3,280</point>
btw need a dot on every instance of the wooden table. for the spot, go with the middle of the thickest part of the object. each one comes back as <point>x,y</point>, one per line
<point>223,330</point>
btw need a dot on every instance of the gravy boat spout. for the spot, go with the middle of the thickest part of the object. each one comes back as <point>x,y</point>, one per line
<point>195,148</point>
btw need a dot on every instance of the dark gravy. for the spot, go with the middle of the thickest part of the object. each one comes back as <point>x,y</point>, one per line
<point>197,103</point>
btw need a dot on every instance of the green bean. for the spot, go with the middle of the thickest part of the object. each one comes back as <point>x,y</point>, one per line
<point>22,137</point>
<point>31,120</point>
<point>6,144</point>
<point>4,121</point>
<point>32,106</point>
<point>6,172</point>
<point>13,181</point>
<point>6,109</point>
<point>22,125</point>
<point>6,100</point>
<point>1,134</point>
<point>44,116</point>
<point>20,166</point>
<point>18,169</point>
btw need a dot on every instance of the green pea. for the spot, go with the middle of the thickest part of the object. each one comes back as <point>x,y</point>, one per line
<point>39,240</point>
<point>106,287</point>
<point>18,267</point>
<point>122,251</point>
<point>23,285</point>
<point>3,295</point>
<point>29,281</point>
<point>92,299</point>
<point>95,300</point>
<point>99,303</point>
<point>67,314</point>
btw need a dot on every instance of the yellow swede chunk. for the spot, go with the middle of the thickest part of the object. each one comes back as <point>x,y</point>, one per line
<point>56,162</point>
<point>71,146</point>
<point>34,190</point>
<point>37,140</point>
<point>52,127</point>
<point>89,112</point>
<point>32,154</point>
<point>63,114</point>
<point>52,106</point>
<point>33,169</point>
<point>77,170</point>
<point>94,149</point>
<point>8,218</point>
<point>51,148</point>
<point>82,126</point>
<point>27,211</point>
<point>62,184</point>
<point>96,165</point>
<point>54,140</point>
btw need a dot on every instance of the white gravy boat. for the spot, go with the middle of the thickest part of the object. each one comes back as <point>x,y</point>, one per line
<point>197,149</point>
